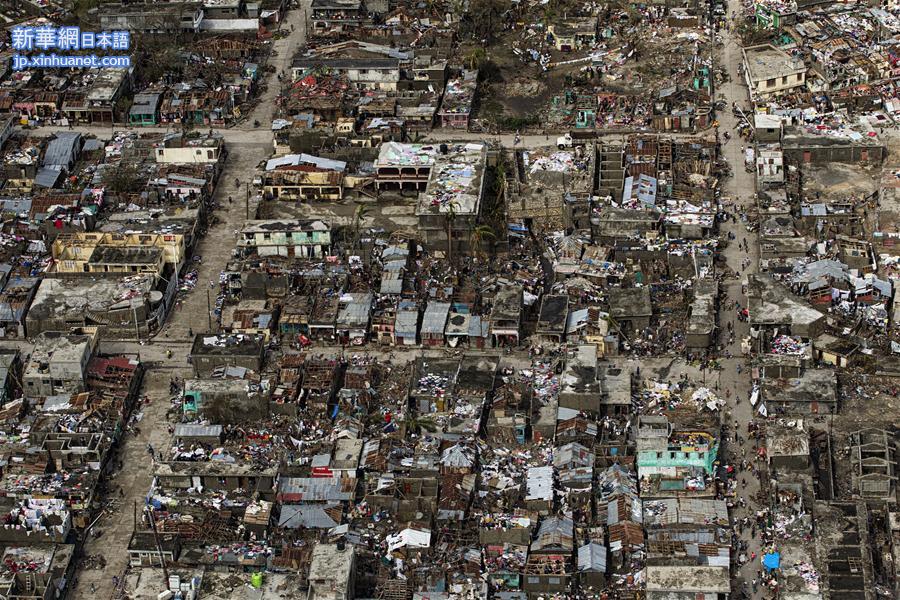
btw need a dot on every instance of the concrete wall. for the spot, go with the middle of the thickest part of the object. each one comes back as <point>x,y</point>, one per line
<point>204,365</point>
<point>843,153</point>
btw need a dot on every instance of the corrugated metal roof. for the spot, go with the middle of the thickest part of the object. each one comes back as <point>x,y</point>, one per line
<point>435,318</point>
<point>394,266</point>
<point>817,210</point>
<point>17,205</point>
<point>458,456</point>
<point>311,516</point>
<point>47,177</point>
<point>356,311</point>
<point>573,453</point>
<point>292,160</point>
<point>661,512</point>
<point>6,313</point>
<point>406,323</point>
<point>391,282</point>
<point>144,104</point>
<point>685,511</point>
<point>192,430</point>
<point>539,483</point>
<point>394,253</point>
<point>314,488</point>
<point>370,448</point>
<point>62,150</point>
<point>612,513</point>
<point>555,532</point>
<point>176,179</point>
<point>92,145</point>
<point>592,557</point>
<point>478,328</point>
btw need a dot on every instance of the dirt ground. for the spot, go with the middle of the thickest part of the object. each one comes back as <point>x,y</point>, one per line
<point>522,89</point>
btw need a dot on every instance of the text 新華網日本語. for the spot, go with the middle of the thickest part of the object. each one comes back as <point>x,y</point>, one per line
<point>67,38</point>
<point>48,37</point>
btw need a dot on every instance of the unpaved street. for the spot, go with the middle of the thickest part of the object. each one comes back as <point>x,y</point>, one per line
<point>245,150</point>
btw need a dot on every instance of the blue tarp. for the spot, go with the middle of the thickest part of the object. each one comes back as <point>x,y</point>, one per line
<point>772,561</point>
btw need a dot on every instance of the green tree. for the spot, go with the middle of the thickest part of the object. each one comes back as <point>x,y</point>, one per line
<point>475,57</point>
<point>480,234</point>
<point>500,179</point>
<point>487,17</point>
<point>417,423</point>
<point>122,178</point>
<point>158,56</point>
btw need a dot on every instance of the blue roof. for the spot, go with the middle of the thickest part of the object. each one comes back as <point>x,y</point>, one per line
<point>478,327</point>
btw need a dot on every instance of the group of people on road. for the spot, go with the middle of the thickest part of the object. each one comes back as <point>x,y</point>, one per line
<point>745,462</point>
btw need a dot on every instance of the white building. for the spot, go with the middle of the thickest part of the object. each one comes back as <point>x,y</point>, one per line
<point>770,71</point>
<point>179,149</point>
<point>332,570</point>
<point>364,73</point>
<point>57,363</point>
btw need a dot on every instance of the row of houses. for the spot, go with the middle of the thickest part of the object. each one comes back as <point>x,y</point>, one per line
<point>78,263</point>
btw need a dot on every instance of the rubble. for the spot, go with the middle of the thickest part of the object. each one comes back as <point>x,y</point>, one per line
<point>502,314</point>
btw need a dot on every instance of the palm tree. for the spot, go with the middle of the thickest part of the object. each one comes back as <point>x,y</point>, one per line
<point>500,178</point>
<point>417,423</point>
<point>362,211</point>
<point>474,57</point>
<point>478,235</point>
<point>123,178</point>
<point>547,19</point>
<point>497,211</point>
<point>487,16</point>
<point>450,215</point>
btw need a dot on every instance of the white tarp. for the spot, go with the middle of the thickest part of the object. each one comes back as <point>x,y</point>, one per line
<point>412,538</point>
<point>229,24</point>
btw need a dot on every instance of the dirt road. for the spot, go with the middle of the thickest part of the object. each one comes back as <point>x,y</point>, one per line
<point>245,150</point>
<point>740,188</point>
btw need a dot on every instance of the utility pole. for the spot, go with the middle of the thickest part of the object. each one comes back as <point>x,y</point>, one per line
<point>137,332</point>
<point>247,204</point>
<point>208,312</point>
<point>711,18</point>
<point>162,559</point>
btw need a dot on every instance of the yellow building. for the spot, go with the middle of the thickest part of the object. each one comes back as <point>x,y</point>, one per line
<point>296,184</point>
<point>117,253</point>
